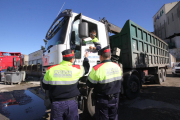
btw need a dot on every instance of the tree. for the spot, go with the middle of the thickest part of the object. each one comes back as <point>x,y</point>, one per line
<point>42,47</point>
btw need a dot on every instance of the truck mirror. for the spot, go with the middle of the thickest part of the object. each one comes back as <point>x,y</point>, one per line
<point>45,41</point>
<point>83,30</point>
<point>116,51</point>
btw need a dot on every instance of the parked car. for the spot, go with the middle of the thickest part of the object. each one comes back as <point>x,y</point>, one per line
<point>176,70</point>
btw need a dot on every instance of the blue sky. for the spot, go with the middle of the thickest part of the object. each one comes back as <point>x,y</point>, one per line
<point>24,23</point>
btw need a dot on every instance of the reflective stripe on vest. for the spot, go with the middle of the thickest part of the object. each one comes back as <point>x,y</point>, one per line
<point>111,79</point>
<point>105,81</point>
<point>60,82</point>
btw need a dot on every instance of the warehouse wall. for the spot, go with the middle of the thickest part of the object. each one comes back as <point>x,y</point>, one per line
<point>35,57</point>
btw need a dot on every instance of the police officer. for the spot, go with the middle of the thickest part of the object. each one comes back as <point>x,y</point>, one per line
<point>62,80</point>
<point>105,78</point>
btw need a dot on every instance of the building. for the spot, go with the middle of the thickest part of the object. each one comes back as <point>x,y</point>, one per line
<point>172,60</point>
<point>35,57</point>
<point>173,26</point>
<point>25,59</point>
<point>160,20</point>
<point>167,26</point>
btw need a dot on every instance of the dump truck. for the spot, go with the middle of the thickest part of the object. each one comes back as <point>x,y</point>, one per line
<point>139,52</point>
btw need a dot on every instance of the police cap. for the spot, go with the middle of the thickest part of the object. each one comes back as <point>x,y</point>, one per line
<point>104,50</point>
<point>68,53</point>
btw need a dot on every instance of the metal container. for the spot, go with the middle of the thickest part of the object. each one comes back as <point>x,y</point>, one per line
<point>139,47</point>
<point>23,75</point>
<point>13,77</point>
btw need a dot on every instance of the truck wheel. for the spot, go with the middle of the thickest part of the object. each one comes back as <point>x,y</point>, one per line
<point>174,75</point>
<point>132,87</point>
<point>159,77</point>
<point>90,107</point>
<point>164,74</point>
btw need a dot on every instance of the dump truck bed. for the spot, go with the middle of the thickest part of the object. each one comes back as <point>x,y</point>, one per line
<point>139,47</point>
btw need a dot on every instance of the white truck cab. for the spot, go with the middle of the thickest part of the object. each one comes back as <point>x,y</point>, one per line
<point>64,34</point>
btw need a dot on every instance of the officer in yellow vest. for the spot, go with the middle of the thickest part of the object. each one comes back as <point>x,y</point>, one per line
<point>62,82</point>
<point>106,78</point>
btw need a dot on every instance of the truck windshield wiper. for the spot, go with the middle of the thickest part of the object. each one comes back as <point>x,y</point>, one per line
<point>57,25</point>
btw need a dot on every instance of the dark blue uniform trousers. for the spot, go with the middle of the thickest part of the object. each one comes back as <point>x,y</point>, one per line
<point>64,110</point>
<point>106,109</point>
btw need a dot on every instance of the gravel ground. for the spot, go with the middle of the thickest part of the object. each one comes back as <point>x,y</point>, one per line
<point>156,102</point>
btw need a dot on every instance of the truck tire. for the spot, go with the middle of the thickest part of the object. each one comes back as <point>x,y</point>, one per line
<point>159,77</point>
<point>90,107</point>
<point>132,86</point>
<point>164,74</point>
<point>174,75</point>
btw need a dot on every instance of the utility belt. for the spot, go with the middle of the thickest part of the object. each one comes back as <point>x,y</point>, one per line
<point>108,97</point>
<point>58,99</point>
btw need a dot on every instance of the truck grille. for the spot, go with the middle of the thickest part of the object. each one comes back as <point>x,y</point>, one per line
<point>177,70</point>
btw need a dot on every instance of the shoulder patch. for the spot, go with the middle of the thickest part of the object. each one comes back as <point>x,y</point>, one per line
<point>76,66</point>
<point>97,66</point>
<point>52,66</point>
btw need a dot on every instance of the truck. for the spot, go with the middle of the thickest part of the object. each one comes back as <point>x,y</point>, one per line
<point>9,61</point>
<point>139,52</point>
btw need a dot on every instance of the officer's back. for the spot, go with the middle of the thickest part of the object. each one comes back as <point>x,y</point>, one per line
<point>108,81</point>
<point>105,78</point>
<point>62,82</point>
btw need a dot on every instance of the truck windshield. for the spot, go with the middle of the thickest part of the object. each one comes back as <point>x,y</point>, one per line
<point>57,32</point>
<point>6,54</point>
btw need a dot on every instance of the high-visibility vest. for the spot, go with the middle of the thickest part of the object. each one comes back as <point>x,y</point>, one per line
<point>105,73</point>
<point>63,74</point>
<point>95,41</point>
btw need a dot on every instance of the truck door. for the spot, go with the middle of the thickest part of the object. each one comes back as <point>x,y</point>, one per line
<point>79,48</point>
